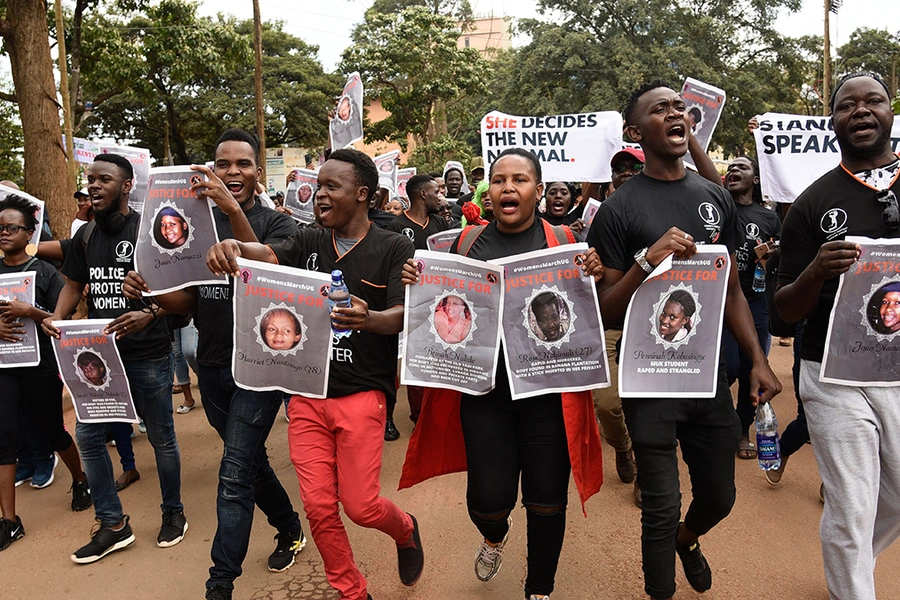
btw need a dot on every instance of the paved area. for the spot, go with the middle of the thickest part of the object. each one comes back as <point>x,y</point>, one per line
<point>767,548</point>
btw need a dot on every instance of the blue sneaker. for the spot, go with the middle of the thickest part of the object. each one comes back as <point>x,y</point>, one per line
<point>43,472</point>
<point>23,474</point>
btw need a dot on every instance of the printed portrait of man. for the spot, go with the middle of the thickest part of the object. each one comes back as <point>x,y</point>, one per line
<point>171,229</point>
<point>304,193</point>
<point>91,369</point>
<point>883,309</point>
<point>550,324</point>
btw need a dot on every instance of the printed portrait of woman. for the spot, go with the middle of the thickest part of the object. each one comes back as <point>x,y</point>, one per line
<point>171,229</point>
<point>343,108</point>
<point>550,322</point>
<point>675,319</point>
<point>452,319</point>
<point>280,329</point>
<point>92,369</point>
<point>304,193</point>
<point>884,309</point>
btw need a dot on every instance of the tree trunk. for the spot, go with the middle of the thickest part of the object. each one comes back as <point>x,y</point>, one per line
<point>27,41</point>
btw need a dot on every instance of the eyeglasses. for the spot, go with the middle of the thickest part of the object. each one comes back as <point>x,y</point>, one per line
<point>14,229</point>
<point>635,168</point>
<point>891,214</point>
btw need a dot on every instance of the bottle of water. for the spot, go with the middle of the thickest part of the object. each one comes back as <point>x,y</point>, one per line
<point>768,448</point>
<point>338,296</point>
<point>759,277</point>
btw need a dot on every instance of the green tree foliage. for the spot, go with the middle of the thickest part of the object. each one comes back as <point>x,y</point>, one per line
<point>873,50</point>
<point>411,61</point>
<point>10,144</point>
<point>600,50</point>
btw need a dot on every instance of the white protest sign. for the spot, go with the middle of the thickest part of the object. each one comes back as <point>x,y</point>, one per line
<point>795,150</point>
<point>570,147</point>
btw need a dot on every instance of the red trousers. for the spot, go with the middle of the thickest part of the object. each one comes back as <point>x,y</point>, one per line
<point>336,446</point>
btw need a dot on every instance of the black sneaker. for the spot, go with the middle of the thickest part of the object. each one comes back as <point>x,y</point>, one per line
<point>81,496</point>
<point>390,432</point>
<point>218,592</point>
<point>174,526</point>
<point>286,546</point>
<point>411,560</point>
<point>103,541</point>
<point>10,531</point>
<point>696,569</point>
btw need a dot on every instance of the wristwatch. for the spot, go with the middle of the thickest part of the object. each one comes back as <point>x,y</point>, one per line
<point>641,259</point>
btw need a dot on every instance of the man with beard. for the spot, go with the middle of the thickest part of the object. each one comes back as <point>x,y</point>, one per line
<point>101,253</point>
<point>853,428</point>
<point>656,214</point>
<point>242,418</point>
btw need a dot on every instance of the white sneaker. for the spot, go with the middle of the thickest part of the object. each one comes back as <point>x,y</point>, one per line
<point>489,558</point>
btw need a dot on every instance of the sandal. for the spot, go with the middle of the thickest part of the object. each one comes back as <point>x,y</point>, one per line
<point>746,449</point>
<point>185,409</point>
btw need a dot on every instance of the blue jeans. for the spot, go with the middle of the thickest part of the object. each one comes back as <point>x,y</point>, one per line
<point>151,388</point>
<point>738,363</point>
<point>184,346</point>
<point>243,419</point>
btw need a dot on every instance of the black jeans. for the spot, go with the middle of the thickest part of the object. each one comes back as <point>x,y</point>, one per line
<point>738,364</point>
<point>708,431</point>
<point>39,398</point>
<point>503,439</point>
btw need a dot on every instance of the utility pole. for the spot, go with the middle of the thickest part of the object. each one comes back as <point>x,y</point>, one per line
<point>64,92</point>
<point>257,81</point>
<point>826,67</point>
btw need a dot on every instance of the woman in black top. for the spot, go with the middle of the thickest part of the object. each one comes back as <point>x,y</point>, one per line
<point>38,389</point>
<point>559,198</point>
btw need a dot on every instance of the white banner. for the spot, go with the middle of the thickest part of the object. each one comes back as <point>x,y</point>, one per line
<point>795,150</point>
<point>570,147</point>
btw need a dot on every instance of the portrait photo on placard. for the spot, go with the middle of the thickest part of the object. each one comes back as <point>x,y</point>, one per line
<point>172,232</point>
<point>452,320</point>
<point>91,369</point>
<point>549,317</point>
<point>882,308</point>
<point>280,330</point>
<point>675,317</point>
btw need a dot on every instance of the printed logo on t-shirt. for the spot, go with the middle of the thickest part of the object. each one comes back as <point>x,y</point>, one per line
<point>124,251</point>
<point>711,219</point>
<point>752,230</point>
<point>834,223</point>
<point>409,233</point>
<point>312,263</point>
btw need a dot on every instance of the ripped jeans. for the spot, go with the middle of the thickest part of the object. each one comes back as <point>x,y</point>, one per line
<point>503,439</point>
<point>243,419</point>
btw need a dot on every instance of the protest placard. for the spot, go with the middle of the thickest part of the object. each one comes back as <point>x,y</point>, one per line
<point>26,352</point>
<point>346,127</point>
<point>443,241</point>
<point>552,333</point>
<point>451,336</point>
<point>387,170</point>
<point>404,175</point>
<point>673,328</point>
<point>140,162</point>
<point>92,370</point>
<point>570,147</point>
<point>38,211</point>
<point>85,151</point>
<point>862,347</point>
<point>703,105</point>
<point>282,329</point>
<point>300,196</point>
<point>175,232</point>
<point>590,211</point>
<point>795,150</point>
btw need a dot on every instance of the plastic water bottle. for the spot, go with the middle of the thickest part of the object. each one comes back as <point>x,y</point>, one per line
<point>759,277</point>
<point>338,296</point>
<point>768,448</point>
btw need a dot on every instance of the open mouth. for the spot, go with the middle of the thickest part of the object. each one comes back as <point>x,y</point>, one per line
<point>324,209</point>
<point>862,127</point>
<point>96,199</point>
<point>676,132</point>
<point>509,205</point>
<point>235,187</point>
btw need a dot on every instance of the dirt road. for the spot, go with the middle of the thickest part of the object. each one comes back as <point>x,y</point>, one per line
<point>768,548</point>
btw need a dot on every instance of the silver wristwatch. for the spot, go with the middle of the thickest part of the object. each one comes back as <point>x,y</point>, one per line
<point>641,259</point>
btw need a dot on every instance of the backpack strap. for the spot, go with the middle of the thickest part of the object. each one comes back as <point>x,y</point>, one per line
<point>466,241</point>
<point>86,236</point>
<point>30,262</point>
<point>557,235</point>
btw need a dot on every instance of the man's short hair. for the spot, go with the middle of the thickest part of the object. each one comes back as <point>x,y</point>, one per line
<point>436,174</point>
<point>635,96</point>
<point>120,161</point>
<point>415,184</point>
<point>854,75</point>
<point>363,166</point>
<point>240,135</point>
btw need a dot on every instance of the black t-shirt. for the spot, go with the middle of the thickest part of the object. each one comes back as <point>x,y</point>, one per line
<point>109,258</point>
<point>759,225</point>
<point>372,269</point>
<point>215,315</point>
<point>833,207</point>
<point>566,219</point>
<point>416,232</point>
<point>493,243</point>
<point>47,285</point>
<point>381,218</point>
